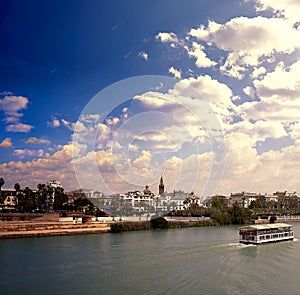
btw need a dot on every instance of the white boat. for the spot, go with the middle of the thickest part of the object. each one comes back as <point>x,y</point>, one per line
<point>266,233</point>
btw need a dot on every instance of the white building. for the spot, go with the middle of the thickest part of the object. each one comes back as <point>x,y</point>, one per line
<point>49,202</point>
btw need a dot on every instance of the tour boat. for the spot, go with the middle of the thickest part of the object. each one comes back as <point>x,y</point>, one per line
<point>266,233</point>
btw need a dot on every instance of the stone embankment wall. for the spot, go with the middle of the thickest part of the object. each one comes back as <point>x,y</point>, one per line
<point>285,218</point>
<point>53,217</point>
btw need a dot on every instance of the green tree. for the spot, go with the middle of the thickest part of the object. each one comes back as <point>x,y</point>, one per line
<point>41,195</point>
<point>28,200</point>
<point>60,198</point>
<point>223,218</point>
<point>273,219</point>
<point>216,203</point>
<point>82,203</point>
<point>158,222</point>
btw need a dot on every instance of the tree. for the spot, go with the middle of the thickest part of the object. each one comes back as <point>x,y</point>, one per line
<point>41,195</point>
<point>28,201</point>
<point>216,203</point>
<point>273,219</point>
<point>17,187</point>
<point>83,203</point>
<point>60,198</point>
<point>1,184</point>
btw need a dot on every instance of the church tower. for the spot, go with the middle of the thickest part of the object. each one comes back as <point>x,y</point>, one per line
<point>161,187</point>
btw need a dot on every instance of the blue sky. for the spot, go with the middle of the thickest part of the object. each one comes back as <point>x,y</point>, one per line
<point>57,58</point>
<point>60,54</point>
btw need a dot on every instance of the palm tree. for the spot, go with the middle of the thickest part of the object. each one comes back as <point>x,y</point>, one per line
<point>1,184</point>
<point>17,188</point>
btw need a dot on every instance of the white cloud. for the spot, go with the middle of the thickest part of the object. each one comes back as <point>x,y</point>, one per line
<point>29,153</point>
<point>6,143</point>
<point>258,72</point>
<point>41,169</point>
<point>12,105</point>
<point>165,37</point>
<point>290,9</point>
<point>279,93</point>
<point>197,51</point>
<point>294,130</point>
<point>35,140</point>
<point>247,40</point>
<point>259,130</point>
<point>283,83</point>
<point>209,95</point>
<point>19,127</point>
<point>250,91</point>
<point>143,55</point>
<point>175,73</point>
<point>54,123</point>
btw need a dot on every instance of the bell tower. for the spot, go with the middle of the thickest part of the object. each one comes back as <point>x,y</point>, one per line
<point>161,187</point>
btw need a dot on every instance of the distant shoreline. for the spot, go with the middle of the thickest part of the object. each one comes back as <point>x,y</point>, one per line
<point>29,229</point>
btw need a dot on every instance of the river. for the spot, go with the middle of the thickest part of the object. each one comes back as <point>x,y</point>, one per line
<point>205,260</point>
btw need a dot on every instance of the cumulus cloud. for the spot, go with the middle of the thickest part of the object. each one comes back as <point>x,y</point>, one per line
<point>247,40</point>
<point>272,170</point>
<point>175,73</point>
<point>54,123</point>
<point>250,91</point>
<point>29,153</point>
<point>6,143</point>
<point>41,169</point>
<point>258,72</point>
<point>19,127</point>
<point>12,105</point>
<point>259,130</point>
<point>197,51</point>
<point>279,93</point>
<point>289,9</point>
<point>166,37</point>
<point>35,140</point>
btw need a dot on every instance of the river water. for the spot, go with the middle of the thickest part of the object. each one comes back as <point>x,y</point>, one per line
<point>177,261</point>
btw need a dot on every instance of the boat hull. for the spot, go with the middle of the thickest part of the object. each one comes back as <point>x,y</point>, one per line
<point>266,233</point>
<point>266,241</point>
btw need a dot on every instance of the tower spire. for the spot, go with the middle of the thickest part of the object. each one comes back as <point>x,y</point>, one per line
<point>161,187</point>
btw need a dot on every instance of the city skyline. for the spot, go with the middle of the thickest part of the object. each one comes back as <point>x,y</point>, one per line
<point>112,95</point>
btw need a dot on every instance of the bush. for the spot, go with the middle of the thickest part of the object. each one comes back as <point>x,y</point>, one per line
<point>273,219</point>
<point>222,218</point>
<point>158,222</point>
<point>116,227</point>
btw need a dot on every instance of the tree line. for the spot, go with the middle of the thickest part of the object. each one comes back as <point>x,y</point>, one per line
<point>46,198</point>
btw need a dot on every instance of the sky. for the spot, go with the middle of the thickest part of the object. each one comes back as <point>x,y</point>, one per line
<point>112,95</point>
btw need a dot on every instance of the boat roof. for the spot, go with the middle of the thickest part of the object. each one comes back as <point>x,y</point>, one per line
<point>265,226</point>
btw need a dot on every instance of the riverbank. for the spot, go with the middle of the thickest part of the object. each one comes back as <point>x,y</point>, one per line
<point>21,229</point>
<point>40,229</point>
